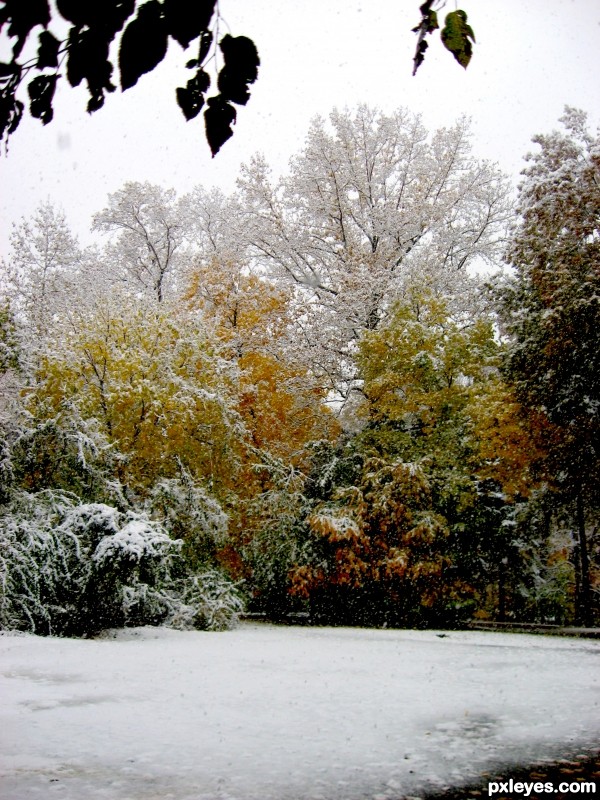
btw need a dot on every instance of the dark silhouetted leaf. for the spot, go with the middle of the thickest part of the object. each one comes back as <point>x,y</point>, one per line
<point>95,102</point>
<point>456,35</point>
<point>24,15</point>
<point>103,16</point>
<point>191,99</point>
<point>6,70</point>
<point>88,59</point>
<point>41,92</point>
<point>147,26</point>
<point>206,39</point>
<point>143,44</point>
<point>419,57</point>
<point>218,118</point>
<point>186,20</point>
<point>77,60</point>
<point>16,116</point>
<point>47,50</point>
<point>74,11</point>
<point>241,68</point>
<point>11,112</point>
<point>428,24</point>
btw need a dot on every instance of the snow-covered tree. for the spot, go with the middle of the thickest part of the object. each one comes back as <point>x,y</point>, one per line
<point>72,568</point>
<point>148,234</point>
<point>378,553</point>
<point>9,388</point>
<point>152,377</point>
<point>214,225</point>
<point>372,203</point>
<point>42,269</point>
<point>190,514</point>
<point>550,308</point>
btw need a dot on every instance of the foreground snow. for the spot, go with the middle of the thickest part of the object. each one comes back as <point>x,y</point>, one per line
<point>275,713</point>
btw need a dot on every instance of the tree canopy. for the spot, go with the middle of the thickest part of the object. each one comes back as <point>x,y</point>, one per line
<point>551,310</point>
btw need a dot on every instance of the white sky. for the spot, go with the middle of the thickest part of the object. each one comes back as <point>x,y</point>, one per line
<point>531,59</point>
<point>281,713</point>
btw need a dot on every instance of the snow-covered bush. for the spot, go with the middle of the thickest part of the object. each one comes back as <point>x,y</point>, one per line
<point>72,568</point>
<point>188,512</point>
<point>207,601</point>
<point>39,564</point>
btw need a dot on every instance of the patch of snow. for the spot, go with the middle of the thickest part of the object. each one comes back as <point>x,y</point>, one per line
<point>282,713</point>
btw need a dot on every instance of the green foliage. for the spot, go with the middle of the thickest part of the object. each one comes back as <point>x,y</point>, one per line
<point>190,514</point>
<point>272,543</point>
<point>420,372</point>
<point>457,35</point>
<point>63,452</point>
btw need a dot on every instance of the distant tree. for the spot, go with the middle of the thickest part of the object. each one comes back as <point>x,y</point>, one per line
<point>281,406</point>
<point>150,236</point>
<point>82,53</point>
<point>551,312</point>
<point>9,342</point>
<point>377,554</point>
<point>42,270</point>
<point>399,532</point>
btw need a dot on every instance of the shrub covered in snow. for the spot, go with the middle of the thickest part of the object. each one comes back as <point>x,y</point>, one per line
<point>68,568</point>
<point>207,601</point>
<point>189,513</point>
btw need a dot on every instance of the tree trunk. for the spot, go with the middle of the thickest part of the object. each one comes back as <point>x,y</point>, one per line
<point>502,590</point>
<point>584,604</point>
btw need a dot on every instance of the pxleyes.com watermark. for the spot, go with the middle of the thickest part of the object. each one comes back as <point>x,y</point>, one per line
<point>533,789</point>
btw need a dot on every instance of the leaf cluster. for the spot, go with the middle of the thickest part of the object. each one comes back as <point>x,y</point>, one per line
<point>84,55</point>
<point>457,35</point>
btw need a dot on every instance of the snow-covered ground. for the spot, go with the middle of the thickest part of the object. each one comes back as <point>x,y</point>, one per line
<point>276,713</point>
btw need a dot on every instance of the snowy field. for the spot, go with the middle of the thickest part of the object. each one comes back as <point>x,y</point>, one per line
<point>275,713</point>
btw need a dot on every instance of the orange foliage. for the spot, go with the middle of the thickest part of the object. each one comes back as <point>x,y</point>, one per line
<point>279,401</point>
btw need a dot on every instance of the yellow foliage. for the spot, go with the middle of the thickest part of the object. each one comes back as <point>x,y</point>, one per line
<point>508,443</point>
<point>279,401</point>
<point>154,380</point>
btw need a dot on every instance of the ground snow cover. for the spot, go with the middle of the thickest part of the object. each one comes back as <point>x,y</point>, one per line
<point>278,713</point>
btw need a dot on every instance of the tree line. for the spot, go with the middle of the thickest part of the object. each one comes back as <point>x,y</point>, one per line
<point>367,390</point>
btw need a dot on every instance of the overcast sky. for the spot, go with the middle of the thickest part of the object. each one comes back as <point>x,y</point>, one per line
<point>531,59</point>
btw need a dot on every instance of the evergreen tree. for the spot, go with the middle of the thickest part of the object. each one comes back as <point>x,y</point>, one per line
<point>551,312</point>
